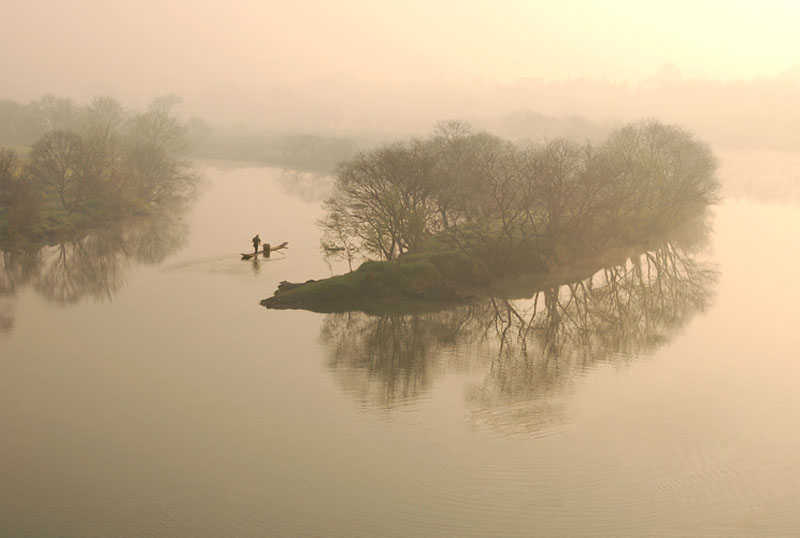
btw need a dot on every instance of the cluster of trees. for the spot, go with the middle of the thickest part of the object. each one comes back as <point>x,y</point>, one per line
<point>507,204</point>
<point>21,124</point>
<point>98,160</point>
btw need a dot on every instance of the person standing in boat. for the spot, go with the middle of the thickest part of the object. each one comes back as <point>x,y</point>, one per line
<point>256,241</point>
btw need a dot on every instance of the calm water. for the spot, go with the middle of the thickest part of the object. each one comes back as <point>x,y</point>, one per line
<point>145,393</point>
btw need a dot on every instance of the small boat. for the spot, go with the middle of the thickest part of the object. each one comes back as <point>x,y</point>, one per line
<point>266,250</point>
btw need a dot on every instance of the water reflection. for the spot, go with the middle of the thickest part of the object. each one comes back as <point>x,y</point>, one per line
<point>92,266</point>
<point>763,176</point>
<point>311,187</point>
<point>527,353</point>
<point>6,316</point>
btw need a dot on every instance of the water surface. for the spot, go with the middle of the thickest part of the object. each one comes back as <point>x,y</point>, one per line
<point>144,392</point>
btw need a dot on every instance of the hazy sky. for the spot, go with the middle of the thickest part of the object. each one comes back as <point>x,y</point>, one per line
<point>85,47</point>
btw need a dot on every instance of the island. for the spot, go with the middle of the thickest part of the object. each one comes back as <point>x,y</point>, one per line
<point>458,214</point>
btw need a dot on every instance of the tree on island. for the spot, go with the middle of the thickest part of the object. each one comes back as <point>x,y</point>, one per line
<point>500,204</point>
<point>55,164</point>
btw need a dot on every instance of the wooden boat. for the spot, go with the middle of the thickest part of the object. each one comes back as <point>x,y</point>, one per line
<point>266,251</point>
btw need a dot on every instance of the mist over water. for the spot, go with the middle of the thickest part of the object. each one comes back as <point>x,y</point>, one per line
<point>164,401</point>
<point>632,375</point>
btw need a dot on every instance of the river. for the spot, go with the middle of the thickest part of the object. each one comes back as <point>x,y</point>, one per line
<point>144,392</point>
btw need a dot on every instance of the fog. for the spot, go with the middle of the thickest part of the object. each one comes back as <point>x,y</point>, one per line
<point>726,70</point>
<point>534,269</point>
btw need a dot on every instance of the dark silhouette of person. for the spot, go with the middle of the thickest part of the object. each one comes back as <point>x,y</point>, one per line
<point>256,241</point>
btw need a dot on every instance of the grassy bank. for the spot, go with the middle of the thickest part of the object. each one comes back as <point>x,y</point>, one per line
<point>55,223</point>
<point>427,276</point>
<point>429,282</point>
<point>441,275</point>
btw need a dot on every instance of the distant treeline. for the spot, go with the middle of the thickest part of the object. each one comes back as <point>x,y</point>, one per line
<point>322,152</point>
<point>526,124</point>
<point>23,124</point>
<point>299,151</point>
<point>759,113</point>
<point>319,151</point>
<point>80,165</point>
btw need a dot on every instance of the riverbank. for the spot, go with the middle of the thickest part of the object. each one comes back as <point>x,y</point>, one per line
<point>423,277</point>
<point>55,224</point>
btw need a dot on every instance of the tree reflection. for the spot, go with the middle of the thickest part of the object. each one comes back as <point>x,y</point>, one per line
<point>529,351</point>
<point>619,313</point>
<point>311,187</point>
<point>92,266</point>
<point>16,270</point>
<point>384,360</point>
<point>6,316</point>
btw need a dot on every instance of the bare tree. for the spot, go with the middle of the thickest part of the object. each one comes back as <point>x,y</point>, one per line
<point>385,199</point>
<point>102,155</point>
<point>55,113</point>
<point>55,163</point>
<point>9,171</point>
<point>338,238</point>
<point>154,149</point>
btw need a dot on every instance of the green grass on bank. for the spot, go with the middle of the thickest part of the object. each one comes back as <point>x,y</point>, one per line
<point>442,272</point>
<point>55,222</point>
